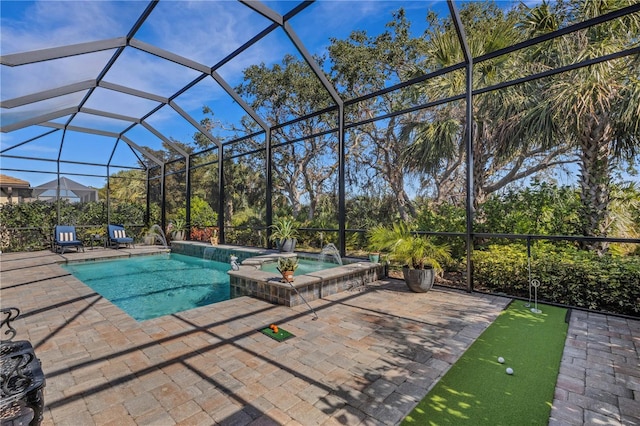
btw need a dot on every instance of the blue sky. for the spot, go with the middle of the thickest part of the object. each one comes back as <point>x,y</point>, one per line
<point>202,31</point>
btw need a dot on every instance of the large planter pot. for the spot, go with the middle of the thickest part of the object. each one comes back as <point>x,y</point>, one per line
<point>287,246</point>
<point>178,235</point>
<point>419,280</point>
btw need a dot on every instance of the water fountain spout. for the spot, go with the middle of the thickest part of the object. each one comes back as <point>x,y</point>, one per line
<point>158,234</point>
<point>332,251</point>
<point>234,263</point>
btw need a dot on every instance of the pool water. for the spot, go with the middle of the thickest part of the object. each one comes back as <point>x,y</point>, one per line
<point>148,287</point>
<point>305,266</point>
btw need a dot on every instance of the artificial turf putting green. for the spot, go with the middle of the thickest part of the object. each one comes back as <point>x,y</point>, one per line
<point>280,336</point>
<point>478,391</point>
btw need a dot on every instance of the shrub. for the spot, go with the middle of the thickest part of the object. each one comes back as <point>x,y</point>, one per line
<point>567,276</point>
<point>542,208</point>
<point>29,226</point>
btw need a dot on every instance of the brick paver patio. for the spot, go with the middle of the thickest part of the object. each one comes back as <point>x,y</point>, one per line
<point>368,359</point>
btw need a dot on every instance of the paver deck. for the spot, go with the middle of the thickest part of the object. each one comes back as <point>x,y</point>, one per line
<point>368,359</point>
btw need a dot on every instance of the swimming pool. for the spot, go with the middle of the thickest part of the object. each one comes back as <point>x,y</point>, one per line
<point>148,287</point>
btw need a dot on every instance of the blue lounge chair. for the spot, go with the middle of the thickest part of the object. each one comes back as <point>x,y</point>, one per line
<point>65,236</point>
<point>117,236</point>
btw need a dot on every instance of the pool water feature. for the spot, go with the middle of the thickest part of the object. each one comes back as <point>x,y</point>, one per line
<point>331,251</point>
<point>147,287</point>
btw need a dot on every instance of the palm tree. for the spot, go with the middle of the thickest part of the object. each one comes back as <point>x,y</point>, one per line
<point>436,137</point>
<point>595,109</point>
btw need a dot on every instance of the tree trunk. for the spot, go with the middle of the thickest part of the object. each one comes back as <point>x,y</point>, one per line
<point>480,164</point>
<point>595,181</point>
<point>228,214</point>
<point>405,206</point>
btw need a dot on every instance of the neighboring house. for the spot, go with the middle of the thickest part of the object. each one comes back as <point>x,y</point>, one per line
<point>69,190</point>
<point>14,190</point>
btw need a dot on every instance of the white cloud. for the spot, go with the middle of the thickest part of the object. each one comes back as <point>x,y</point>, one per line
<point>204,31</point>
<point>46,24</point>
<point>32,78</point>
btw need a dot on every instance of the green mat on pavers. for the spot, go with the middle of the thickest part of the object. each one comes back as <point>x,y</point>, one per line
<point>280,336</point>
<point>477,390</point>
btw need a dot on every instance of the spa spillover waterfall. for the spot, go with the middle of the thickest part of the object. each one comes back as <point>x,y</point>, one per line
<point>330,251</point>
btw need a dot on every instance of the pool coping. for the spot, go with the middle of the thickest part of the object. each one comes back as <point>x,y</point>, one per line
<point>112,254</point>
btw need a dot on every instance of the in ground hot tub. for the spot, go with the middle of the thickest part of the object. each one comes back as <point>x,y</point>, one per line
<point>258,277</point>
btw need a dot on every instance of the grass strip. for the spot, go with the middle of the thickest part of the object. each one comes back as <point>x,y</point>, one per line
<point>477,390</point>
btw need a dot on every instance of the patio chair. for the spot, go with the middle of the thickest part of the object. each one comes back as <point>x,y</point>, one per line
<point>65,236</point>
<point>117,236</point>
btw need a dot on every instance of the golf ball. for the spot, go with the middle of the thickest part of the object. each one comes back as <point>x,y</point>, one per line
<point>501,360</point>
<point>509,370</point>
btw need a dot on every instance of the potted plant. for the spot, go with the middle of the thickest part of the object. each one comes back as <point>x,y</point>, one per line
<point>420,256</point>
<point>287,266</point>
<point>214,236</point>
<point>380,239</point>
<point>177,231</point>
<point>284,233</point>
<point>149,237</point>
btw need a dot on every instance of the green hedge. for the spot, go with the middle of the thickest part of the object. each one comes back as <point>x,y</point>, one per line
<point>29,226</point>
<point>567,276</point>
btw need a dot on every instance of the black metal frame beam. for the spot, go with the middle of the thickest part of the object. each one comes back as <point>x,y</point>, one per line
<point>278,21</point>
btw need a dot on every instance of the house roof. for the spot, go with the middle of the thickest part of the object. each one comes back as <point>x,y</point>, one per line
<point>14,182</point>
<point>68,189</point>
<point>65,183</point>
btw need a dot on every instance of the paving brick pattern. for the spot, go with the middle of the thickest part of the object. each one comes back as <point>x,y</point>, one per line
<point>599,379</point>
<point>368,359</point>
